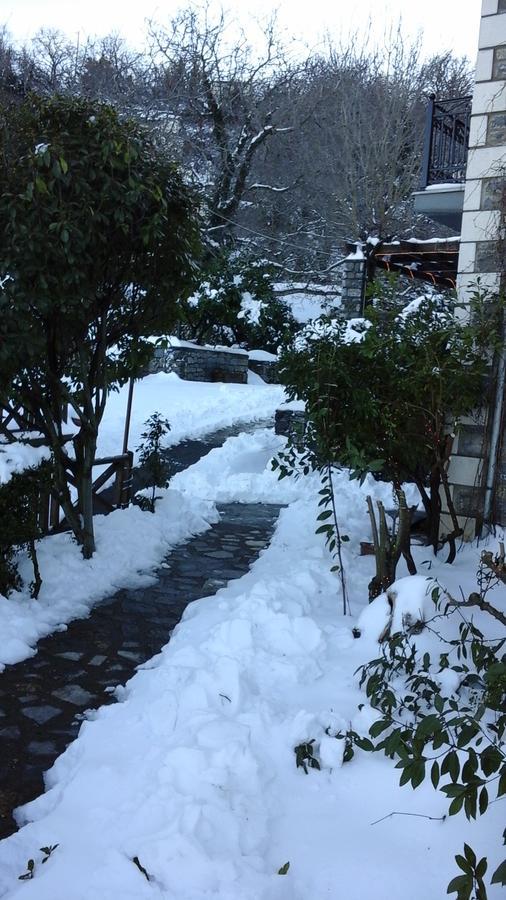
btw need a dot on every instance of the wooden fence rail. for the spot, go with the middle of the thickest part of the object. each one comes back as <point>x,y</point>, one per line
<point>15,419</point>
<point>105,498</point>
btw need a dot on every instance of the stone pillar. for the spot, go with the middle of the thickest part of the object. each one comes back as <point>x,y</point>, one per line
<point>353,285</point>
<point>481,253</point>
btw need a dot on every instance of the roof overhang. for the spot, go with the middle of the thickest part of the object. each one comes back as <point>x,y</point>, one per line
<point>442,203</point>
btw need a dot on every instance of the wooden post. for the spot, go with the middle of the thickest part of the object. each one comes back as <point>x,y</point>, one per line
<point>128,415</point>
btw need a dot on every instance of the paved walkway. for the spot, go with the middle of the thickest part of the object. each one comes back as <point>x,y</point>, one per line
<point>43,699</point>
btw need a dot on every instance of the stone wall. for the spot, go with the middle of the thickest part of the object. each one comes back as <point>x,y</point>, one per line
<point>201,364</point>
<point>267,369</point>
<point>352,286</point>
<point>480,255</point>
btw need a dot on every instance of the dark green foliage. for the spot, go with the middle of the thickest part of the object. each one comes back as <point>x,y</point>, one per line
<point>151,458</point>
<point>218,310</point>
<point>30,869</point>
<point>457,740</point>
<point>380,403</point>
<point>304,756</point>
<point>472,879</point>
<point>98,237</point>
<point>30,866</point>
<point>20,510</point>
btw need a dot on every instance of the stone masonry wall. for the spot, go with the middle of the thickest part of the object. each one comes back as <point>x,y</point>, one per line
<point>201,364</point>
<point>352,287</point>
<point>267,370</point>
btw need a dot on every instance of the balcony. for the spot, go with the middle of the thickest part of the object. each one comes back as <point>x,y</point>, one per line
<point>441,194</point>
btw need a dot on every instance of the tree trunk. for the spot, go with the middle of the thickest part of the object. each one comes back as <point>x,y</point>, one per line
<point>86,445</point>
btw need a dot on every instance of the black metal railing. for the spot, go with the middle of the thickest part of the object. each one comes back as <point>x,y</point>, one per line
<point>446,141</point>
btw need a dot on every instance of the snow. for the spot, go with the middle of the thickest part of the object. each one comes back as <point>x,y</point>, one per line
<point>309,301</point>
<point>193,771</point>
<point>17,457</point>
<point>262,356</point>
<point>434,240</point>
<point>355,330</point>
<point>172,341</point>
<point>407,601</point>
<point>357,255</point>
<point>72,585</point>
<point>446,186</point>
<point>294,405</point>
<point>192,408</point>
<point>251,309</point>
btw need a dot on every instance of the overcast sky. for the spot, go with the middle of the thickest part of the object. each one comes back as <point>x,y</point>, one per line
<point>446,24</point>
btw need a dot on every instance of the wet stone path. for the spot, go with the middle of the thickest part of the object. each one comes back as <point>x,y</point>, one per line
<point>44,699</point>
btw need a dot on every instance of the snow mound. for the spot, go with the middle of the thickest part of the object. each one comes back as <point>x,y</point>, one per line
<point>407,602</point>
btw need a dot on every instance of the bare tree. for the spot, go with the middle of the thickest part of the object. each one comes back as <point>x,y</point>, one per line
<point>226,100</point>
<point>292,155</point>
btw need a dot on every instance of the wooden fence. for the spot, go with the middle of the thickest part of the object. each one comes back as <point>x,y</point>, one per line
<point>106,498</point>
<point>15,419</point>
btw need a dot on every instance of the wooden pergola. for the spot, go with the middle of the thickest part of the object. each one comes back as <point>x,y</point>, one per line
<point>433,261</point>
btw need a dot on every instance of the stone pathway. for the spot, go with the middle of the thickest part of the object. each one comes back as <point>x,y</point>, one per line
<point>43,699</point>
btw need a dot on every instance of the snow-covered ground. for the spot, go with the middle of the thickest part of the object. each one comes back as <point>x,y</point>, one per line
<point>193,773</point>
<point>130,544</point>
<point>308,301</point>
<point>193,408</point>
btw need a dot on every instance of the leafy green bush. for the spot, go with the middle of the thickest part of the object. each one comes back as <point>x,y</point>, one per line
<point>235,304</point>
<point>151,460</point>
<point>20,514</point>
<point>458,738</point>
<point>99,238</point>
<point>379,391</point>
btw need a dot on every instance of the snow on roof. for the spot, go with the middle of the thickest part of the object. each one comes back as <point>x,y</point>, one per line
<point>262,356</point>
<point>173,342</point>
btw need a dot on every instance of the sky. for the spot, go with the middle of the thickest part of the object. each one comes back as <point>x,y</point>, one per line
<point>446,24</point>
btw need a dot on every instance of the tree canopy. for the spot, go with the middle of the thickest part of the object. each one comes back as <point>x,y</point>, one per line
<point>98,234</point>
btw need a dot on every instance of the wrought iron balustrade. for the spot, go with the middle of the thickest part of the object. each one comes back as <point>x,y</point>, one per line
<point>446,141</point>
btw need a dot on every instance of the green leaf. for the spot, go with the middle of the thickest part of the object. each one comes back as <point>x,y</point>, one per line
<point>462,885</point>
<point>377,727</point>
<point>499,876</point>
<point>482,867</point>
<point>284,869</point>
<point>434,774</point>
<point>469,854</point>
<point>456,805</point>
<point>418,773</point>
<point>451,765</point>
